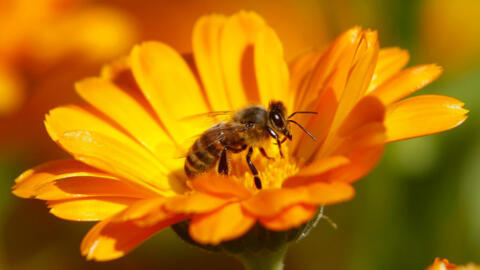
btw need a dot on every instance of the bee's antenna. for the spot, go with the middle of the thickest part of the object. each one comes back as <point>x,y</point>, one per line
<point>310,112</point>
<point>306,131</point>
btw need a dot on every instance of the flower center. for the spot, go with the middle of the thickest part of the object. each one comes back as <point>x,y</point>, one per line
<point>272,172</point>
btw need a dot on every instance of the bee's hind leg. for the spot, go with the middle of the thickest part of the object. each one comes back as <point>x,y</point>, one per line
<point>258,182</point>
<point>223,163</point>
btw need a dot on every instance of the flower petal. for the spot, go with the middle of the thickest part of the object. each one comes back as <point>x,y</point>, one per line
<point>300,73</point>
<point>118,158</point>
<point>359,77</point>
<point>69,118</point>
<point>329,193</point>
<point>318,125</point>
<point>220,186</point>
<point>406,82</point>
<point>148,212</point>
<point>82,187</point>
<point>164,77</point>
<point>206,50</point>
<point>270,67</point>
<point>89,209</point>
<point>269,203</point>
<point>198,202</point>
<point>390,61</point>
<point>109,240</point>
<point>337,60</point>
<point>237,54</point>
<point>28,183</point>
<point>224,224</point>
<point>291,217</point>
<point>313,172</point>
<point>363,148</point>
<point>423,115</point>
<point>127,112</point>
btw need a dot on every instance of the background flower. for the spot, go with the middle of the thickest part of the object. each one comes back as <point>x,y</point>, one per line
<point>431,185</point>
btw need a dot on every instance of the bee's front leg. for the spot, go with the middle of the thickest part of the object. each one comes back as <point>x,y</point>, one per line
<point>274,135</point>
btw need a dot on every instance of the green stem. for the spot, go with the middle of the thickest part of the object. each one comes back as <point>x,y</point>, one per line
<point>264,260</point>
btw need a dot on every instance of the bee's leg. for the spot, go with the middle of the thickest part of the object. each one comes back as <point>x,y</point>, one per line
<point>223,163</point>
<point>282,141</point>
<point>262,150</point>
<point>258,182</point>
<point>274,135</point>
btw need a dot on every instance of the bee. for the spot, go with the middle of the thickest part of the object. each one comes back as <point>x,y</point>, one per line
<point>248,128</point>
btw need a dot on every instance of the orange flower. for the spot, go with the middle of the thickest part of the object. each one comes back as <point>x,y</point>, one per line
<point>444,264</point>
<point>126,172</point>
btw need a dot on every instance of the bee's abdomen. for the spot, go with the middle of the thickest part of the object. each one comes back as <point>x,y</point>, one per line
<point>202,156</point>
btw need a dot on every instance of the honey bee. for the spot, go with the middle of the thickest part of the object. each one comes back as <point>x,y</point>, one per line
<point>248,128</point>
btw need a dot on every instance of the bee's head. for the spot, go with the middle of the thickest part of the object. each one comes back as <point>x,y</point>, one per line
<point>277,119</point>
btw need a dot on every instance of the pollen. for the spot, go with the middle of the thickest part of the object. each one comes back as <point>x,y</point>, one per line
<point>272,171</point>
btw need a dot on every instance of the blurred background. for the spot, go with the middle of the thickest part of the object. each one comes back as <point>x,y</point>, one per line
<point>422,201</point>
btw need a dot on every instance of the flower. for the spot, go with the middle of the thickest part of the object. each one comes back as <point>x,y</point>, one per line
<point>444,264</point>
<point>125,170</point>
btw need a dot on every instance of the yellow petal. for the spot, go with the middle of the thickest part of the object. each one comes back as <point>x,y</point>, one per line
<point>73,127</point>
<point>423,115</point>
<point>237,55</point>
<point>68,118</point>
<point>291,217</point>
<point>269,203</point>
<point>206,50</point>
<point>127,112</point>
<point>336,61</point>
<point>109,240</point>
<point>300,71</point>
<point>148,212</point>
<point>169,85</point>
<point>118,158</point>
<point>28,183</point>
<point>406,82</point>
<point>141,209</point>
<point>270,68</point>
<point>363,148</point>
<point>198,202</point>
<point>82,187</point>
<point>89,209</point>
<point>318,125</point>
<point>224,224</point>
<point>390,61</point>
<point>220,186</point>
<point>368,110</point>
<point>313,171</point>
<point>359,77</point>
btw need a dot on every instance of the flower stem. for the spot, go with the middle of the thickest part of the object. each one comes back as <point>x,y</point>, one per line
<point>264,260</point>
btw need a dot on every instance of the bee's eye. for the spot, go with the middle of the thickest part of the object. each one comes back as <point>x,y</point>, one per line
<point>277,120</point>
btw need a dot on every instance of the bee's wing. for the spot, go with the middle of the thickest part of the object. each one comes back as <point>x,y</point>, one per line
<point>216,115</point>
<point>221,132</point>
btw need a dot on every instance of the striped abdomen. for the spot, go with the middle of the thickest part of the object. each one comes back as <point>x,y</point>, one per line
<point>203,155</point>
